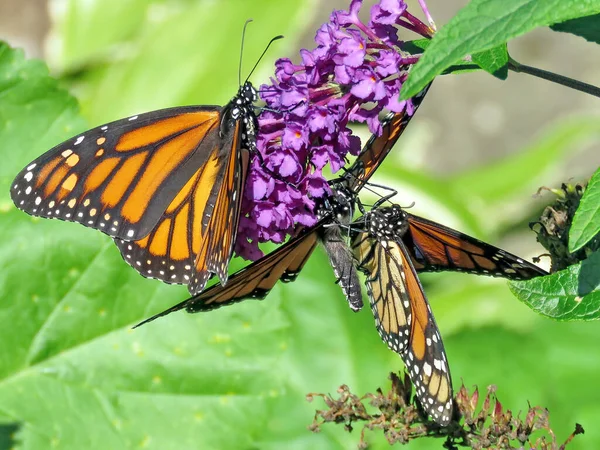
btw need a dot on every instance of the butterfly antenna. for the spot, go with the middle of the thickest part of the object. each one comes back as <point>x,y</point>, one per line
<point>276,38</point>
<point>242,51</point>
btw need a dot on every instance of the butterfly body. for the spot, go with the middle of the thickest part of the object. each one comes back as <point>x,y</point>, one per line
<point>166,185</point>
<point>333,235</point>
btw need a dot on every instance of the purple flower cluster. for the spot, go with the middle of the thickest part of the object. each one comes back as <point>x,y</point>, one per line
<point>354,73</point>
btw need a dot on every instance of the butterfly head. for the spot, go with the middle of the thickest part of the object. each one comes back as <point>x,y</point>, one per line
<point>241,108</point>
<point>340,205</point>
<point>247,94</point>
<point>389,222</point>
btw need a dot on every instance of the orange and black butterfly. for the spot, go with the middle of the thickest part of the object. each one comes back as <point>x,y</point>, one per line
<point>166,185</point>
<point>402,313</point>
<point>287,261</point>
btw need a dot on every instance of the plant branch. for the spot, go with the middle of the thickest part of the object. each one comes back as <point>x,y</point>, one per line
<point>553,77</point>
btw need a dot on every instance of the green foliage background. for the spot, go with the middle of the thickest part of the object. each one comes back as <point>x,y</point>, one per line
<point>74,375</point>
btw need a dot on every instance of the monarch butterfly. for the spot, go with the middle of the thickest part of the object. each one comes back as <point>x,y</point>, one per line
<point>402,313</point>
<point>287,261</point>
<point>165,185</point>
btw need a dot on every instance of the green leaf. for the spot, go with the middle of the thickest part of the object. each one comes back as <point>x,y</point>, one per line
<point>8,434</point>
<point>35,114</point>
<point>493,61</point>
<point>550,364</point>
<point>587,27</point>
<point>586,223</point>
<point>571,294</point>
<point>485,24</point>
<point>417,47</point>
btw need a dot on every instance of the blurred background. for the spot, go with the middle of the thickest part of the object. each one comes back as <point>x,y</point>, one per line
<point>473,158</point>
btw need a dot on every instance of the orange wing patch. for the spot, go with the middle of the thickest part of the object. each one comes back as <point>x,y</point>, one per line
<point>196,233</point>
<point>167,253</point>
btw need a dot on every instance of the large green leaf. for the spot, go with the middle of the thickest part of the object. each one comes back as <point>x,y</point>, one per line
<point>571,294</point>
<point>34,114</point>
<point>586,222</point>
<point>485,24</point>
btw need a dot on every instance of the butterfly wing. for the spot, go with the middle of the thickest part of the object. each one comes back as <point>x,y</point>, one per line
<point>195,235</point>
<point>434,247</point>
<point>166,185</point>
<point>256,280</point>
<point>119,178</point>
<point>404,320</point>
<point>378,147</point>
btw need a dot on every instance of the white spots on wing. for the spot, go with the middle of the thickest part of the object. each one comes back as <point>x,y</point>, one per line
<point>31,166</point>
<point>28,190</point>
<point>28,176</point>
<point>38,200</point>
<point>79,140</point>
<point>133,118</point>
<point>130,233</point>
<point>104,128</point>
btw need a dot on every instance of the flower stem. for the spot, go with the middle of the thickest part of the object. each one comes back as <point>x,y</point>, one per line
<point>428,15</point>
<point>555,78</point>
